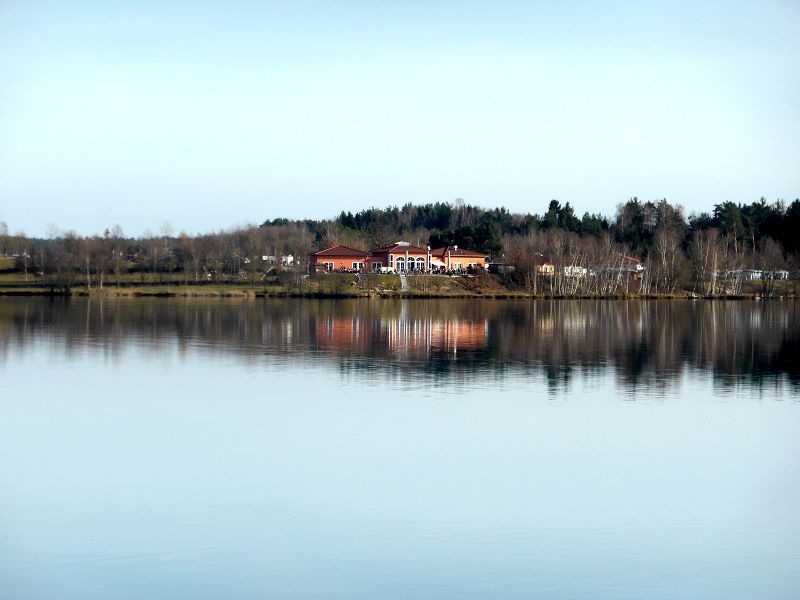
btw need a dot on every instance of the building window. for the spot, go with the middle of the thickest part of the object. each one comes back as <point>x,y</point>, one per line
<point>401,264</point>
<point>358,266</point>
<point>328,266</point>
<point>391,260</point>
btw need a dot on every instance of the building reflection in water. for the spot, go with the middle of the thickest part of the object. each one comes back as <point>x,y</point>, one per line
<point>403,337</point>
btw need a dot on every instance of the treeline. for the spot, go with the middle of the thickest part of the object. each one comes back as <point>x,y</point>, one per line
<point>707,252</point>
<point>444,223</point>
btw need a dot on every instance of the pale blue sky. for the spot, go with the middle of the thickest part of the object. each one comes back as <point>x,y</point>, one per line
<point>211,115</point>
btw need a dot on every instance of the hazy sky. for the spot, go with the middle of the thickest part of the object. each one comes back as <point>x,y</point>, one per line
<point>208,115</point>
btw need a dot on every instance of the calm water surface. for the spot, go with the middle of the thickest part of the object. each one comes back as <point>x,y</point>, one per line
<point>387,449</point>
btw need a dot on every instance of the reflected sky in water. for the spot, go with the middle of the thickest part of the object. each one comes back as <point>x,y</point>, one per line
<point>218,449</point>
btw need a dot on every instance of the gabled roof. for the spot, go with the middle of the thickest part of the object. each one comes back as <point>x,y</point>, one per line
<point>341,251</point>
<point>456,252</point>
<point>634,262</point>
<point>400,248</point>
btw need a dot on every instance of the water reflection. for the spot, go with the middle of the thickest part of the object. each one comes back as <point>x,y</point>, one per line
<point>648,343</point>
<point>302,449</point>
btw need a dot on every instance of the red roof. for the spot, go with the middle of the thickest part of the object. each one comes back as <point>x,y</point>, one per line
<point>456,252</point>
<point>400,248</point>
<point>340,251</point>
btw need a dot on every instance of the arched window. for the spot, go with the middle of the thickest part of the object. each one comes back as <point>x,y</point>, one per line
<point>400,263</point>
<point>420,263</point>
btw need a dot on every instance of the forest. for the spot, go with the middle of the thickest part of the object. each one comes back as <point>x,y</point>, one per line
<point>709,253</point>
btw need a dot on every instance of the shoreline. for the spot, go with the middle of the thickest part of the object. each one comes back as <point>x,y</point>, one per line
<point>368,285</point>
<point>234,291</point>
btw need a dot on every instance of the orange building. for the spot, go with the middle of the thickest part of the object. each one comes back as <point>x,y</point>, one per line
<point>337,258</point>
<point>400,257</point>
<point>453,258</point>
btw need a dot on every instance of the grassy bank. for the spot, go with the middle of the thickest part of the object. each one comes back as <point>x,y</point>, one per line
<point>335,285</point>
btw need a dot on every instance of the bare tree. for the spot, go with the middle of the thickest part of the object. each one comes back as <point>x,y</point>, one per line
<point>118,254</point>
<point>84,255</point>
<point>770,260</point>
<point>706,251</point>
<point>668,254</point>
<point>165,231</point>
<point>3,238</point>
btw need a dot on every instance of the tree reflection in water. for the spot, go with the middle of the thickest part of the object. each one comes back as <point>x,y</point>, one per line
<point>647,343</point>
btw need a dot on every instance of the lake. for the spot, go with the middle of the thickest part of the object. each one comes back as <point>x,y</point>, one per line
<point>224,448</point>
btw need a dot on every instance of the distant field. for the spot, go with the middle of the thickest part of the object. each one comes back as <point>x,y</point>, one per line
<point>6,264</point>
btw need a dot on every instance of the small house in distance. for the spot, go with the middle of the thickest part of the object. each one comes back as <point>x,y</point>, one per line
<point>285,260</point>
<point>337,258</point>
